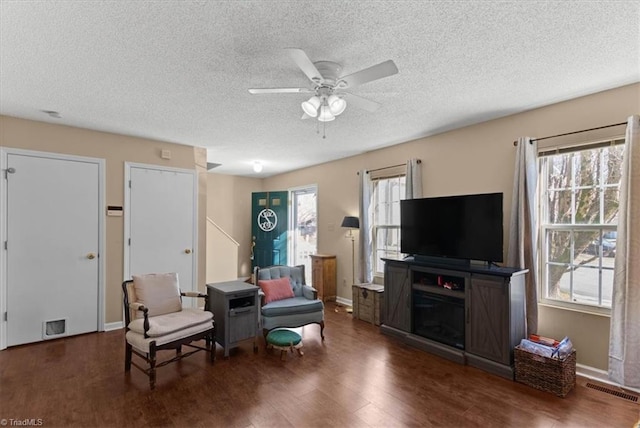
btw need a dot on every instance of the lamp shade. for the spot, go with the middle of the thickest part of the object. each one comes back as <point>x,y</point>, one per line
<point>351,222</point>
<point>310,107</point>
<point>336,105</point>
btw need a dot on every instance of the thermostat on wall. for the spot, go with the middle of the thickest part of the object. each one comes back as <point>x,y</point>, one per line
<point>114,211</point>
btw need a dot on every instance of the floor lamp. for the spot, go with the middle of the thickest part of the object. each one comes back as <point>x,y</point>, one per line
<point>352,223</point>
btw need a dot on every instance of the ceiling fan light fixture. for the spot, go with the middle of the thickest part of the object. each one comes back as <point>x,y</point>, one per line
<point>336,105</point>
<point>325,114</point>
<point>257,166</point>
<point>310,106</point>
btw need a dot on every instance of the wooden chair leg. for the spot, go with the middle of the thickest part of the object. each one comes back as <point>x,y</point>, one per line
<point>322,329</point>
<point>127,357</point>
<point>152,365</point>
<point>179,350</point>
<point>211,345</point>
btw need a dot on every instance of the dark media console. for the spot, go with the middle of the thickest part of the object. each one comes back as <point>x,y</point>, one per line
<point>471,314</point>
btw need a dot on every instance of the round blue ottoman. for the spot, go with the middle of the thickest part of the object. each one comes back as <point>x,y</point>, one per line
<point>284,340</point>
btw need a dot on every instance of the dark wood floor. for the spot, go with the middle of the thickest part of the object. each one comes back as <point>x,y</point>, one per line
<point>356,378</point>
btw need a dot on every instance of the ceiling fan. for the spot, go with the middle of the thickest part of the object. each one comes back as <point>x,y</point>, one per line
<point>329,88</point>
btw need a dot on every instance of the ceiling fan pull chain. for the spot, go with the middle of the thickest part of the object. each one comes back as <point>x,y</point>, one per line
<point>324,130</point>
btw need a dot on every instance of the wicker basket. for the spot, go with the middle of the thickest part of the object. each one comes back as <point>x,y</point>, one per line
<point>547,374</point>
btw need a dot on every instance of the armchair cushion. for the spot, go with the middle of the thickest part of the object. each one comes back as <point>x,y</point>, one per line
<point>168,323</point>
<point>276,289</point>
<point>292,306</point>
<point>141,343</point>
<point>157,292</point>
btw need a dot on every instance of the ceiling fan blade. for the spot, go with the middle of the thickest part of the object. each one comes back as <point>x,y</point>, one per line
<point>302,60</point>
<point>375,72</point>
<point>280,91</point>
<point>362,103</point>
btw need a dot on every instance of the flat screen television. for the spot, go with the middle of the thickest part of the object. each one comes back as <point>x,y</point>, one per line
<point>466,227</point>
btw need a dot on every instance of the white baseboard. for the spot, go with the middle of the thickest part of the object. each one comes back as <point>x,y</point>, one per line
<point>600,376</point>
<point>344,302</point>
<point>109,326</point>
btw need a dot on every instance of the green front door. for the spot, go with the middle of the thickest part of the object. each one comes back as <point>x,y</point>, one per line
<point>269,225</point>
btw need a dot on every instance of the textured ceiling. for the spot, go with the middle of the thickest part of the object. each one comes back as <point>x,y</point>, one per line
<point>179,71</point>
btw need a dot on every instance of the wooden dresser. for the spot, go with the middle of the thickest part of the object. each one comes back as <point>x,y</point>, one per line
<point>323,276</point>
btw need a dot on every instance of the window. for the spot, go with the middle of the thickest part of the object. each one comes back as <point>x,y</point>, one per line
<point>387,192</point>
<point>304,225</point>
<point>580,194</point>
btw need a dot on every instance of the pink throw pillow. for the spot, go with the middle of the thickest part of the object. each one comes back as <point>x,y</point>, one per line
<point>276,289</point>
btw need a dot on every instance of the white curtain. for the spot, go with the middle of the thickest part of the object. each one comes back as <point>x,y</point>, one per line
<point>365,274</point>
<point>624,339</point>
<point>523,228</point>
<point>413,179</point>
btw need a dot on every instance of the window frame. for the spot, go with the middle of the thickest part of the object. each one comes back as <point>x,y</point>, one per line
<point>293,243</point>
<point>545,227</point>
<point>375,227</point>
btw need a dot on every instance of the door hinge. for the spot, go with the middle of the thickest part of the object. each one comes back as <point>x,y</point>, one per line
<point>6,316</point>
<point>6,245</point>
<point>129,184</point>
<point>129,241</point>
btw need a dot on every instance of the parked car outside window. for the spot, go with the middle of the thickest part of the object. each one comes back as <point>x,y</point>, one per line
<point>608,244</point>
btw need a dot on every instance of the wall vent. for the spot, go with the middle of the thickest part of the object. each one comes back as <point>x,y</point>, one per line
<point>54,328</point>
<point>621,394</point>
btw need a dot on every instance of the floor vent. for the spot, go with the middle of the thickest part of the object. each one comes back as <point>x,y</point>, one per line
<point>620,394</point>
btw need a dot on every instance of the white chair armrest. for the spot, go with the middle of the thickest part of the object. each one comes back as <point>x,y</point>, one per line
<point>137,306</point>
<point>140,307</point>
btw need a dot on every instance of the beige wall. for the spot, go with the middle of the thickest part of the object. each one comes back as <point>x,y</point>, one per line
<point>474,159</point>
<point>222,255</point>
<point>116,150</point>
<point>229,206</point>
<point>478,158</point>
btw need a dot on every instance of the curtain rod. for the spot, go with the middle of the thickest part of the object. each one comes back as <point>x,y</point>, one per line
<point>515,143</point>
<point>387,167</point>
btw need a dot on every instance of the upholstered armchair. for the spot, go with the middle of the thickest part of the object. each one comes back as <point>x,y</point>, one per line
<point>287,302</point>
<point>155,321</point>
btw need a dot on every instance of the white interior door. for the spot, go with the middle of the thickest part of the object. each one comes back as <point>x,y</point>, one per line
<point>160,233</point>
<point>52,234</point>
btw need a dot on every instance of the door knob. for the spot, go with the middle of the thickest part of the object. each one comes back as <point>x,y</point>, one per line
<point>91,256</point>
<point>187,251</point>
